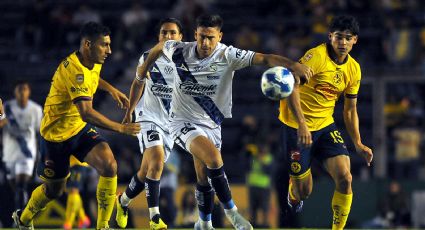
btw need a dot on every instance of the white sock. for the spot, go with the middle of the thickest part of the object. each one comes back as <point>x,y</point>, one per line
<point>205,223</point>
<point>153,211</point>
<point>125,200</point>
<point>231,211</point>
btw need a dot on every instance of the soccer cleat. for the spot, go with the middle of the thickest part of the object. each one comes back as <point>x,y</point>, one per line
<point>238,221</point>
<point>122,213</point>
<point>157,224</point>
<point>84,222</point>
<point>203,226</point>
<point>67,226</point>
<point>295,205</point>
<point>16,218</point>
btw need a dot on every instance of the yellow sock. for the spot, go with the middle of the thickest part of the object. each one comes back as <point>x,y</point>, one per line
<point>106,191</point>
<point>81,212</point>
<point>341,205</point>
<point>72,206</point>
<point>38,201</point>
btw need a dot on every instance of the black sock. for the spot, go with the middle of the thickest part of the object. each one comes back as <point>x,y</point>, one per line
<point>135,187</point>
<point>221,186</point>
<point>205,199</point>
<point>152,192</point>
<point>21,197</point>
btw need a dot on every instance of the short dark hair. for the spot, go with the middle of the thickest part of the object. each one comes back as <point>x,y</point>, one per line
<point>20,82</point>
<point>344,22</point>
<point>92,31</point>
<point>171,20</point>
<point>207,20</point>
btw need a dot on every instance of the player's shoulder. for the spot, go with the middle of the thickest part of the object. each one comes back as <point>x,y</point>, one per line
<point>35,105</point>
<point>353,62</point>
<point>70,64</point>
<point>315,53</point>
<point>10,102</point>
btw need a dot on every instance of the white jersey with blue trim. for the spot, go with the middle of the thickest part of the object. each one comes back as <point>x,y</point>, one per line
<point>21,130</point>
<point>154,105</point>
<point>203,87</point>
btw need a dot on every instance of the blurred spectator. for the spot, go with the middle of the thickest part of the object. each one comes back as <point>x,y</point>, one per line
<point>135,21</point>
<point>85,14</point>
<point>168,186</point>
<point>189,209</point>
<point>394,210</point>
<point>247,39</point>
<point>408,137</point>
<point>259,183</point>
<point>61,21</point>
<point>187,11</point>
<point>399,45</point>
<point>395,111</point>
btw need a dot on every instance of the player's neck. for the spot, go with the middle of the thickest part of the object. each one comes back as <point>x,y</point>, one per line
<point>22,103</point>
<point>339,60</point>
<point>84,60</point>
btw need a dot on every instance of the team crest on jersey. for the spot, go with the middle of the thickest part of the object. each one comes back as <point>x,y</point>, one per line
<point>213,67</point>
<point>79,78</point>
<point>295,167</point>
<point>49,172</point>
<point>168,69</point>
<point>338,77</point>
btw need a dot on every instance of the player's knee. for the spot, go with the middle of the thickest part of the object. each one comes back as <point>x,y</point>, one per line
<point>155,168</point>
<point>344,181</point>
<point>108,168</point>
<point>54,192</point>
<point>214,161</point>
<point>302,191</point>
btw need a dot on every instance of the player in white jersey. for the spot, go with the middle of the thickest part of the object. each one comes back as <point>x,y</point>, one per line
<point>202,99</point>
<point>154,139</point>
<point>20,130</point>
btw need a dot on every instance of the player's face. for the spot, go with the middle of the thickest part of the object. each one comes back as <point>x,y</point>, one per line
<point>342,42</point>
<point>22,92</point>
<point>100,49</point>
<point>207,39</point>
<point>169,31</point>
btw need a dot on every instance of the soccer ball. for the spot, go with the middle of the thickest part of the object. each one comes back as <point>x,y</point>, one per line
<point>277,83</point>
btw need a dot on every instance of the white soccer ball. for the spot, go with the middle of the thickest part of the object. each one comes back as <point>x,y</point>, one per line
<point>277,83</point>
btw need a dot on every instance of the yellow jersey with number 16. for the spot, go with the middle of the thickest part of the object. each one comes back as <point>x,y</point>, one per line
<point>319,95</point>
<point>71,82</point>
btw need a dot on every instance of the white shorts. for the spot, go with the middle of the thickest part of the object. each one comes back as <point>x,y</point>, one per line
<point>23,166</point>
<point>184,133</point>
<point>152,135</point>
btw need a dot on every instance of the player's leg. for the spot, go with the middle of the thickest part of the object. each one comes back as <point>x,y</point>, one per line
<point>74,204</point>
<point>339,169</point>
<point>53,168</point>
<point>24,170</point>
<point>101,158</point>
<point>204,195</point>
<point>204,149</point>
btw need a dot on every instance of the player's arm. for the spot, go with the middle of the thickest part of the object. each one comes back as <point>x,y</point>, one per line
<point>90,115</point>
<point>272,60</point>
<point>351,120</point>
<point>117,95</point>
<point>136,92</point>
<point>142,71</point>
<point>3,120</point>
<point>294,102</point>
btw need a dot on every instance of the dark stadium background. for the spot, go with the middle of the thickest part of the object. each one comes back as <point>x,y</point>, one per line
<point>35,35</point>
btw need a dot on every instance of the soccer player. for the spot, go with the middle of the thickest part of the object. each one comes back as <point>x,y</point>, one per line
<point>155,141</point>
<point>202,95</point>
<point>74,203</point>
<point>335,73</point>
<point>20,131</point>
<point>68,127</point>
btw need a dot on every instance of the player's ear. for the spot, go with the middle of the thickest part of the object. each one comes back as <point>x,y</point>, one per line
<point>330,36</point>
<point>86,43</point>
<point>220,36</point>
<point>355,38</point>
<point>196,34</point>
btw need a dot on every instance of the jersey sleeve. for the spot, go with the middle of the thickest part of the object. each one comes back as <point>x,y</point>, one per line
<point>353,87</point>
<point>78,86</point>
<point>141,61</point>
<point>169,48</point>
<point>39,112</point>
<point>238,58</point>
<point>312,59</point>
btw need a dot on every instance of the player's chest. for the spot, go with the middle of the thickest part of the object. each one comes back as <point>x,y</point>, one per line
<point>24,117</point>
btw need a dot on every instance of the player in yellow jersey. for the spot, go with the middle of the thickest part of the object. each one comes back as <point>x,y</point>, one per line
<point>335,73</point>
<point>74,203</point>
<point>68,128</point>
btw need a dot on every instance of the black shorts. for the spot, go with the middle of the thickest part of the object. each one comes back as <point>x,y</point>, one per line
<point>54,161</point>
<point>327,143</point>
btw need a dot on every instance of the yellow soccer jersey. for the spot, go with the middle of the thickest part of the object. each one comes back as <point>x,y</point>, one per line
<point>71,82</point>
<point>73,161</point>
<point>319,95</point>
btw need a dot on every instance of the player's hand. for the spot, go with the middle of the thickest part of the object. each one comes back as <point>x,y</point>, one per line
<point>127,118</point>
<point>304,136</point>
<point>120,98</point>
<point>130,129</point>
<point>365,152</point>
<point>303,71</point>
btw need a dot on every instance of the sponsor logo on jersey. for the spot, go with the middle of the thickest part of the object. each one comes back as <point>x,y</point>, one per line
<point>196,89</point>
<point>168,69</point>
<point>213,67</point>
<point>152,135</point>
<point>162,91</point>
<point>213,77</point>
<point>79,90</point>
<point>187,128</point>
<point>327,90</point>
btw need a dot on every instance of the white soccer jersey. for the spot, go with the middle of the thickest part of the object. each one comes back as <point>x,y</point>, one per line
<point>203,87</point>
<point>20,133</point>
<point>154,105</point>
